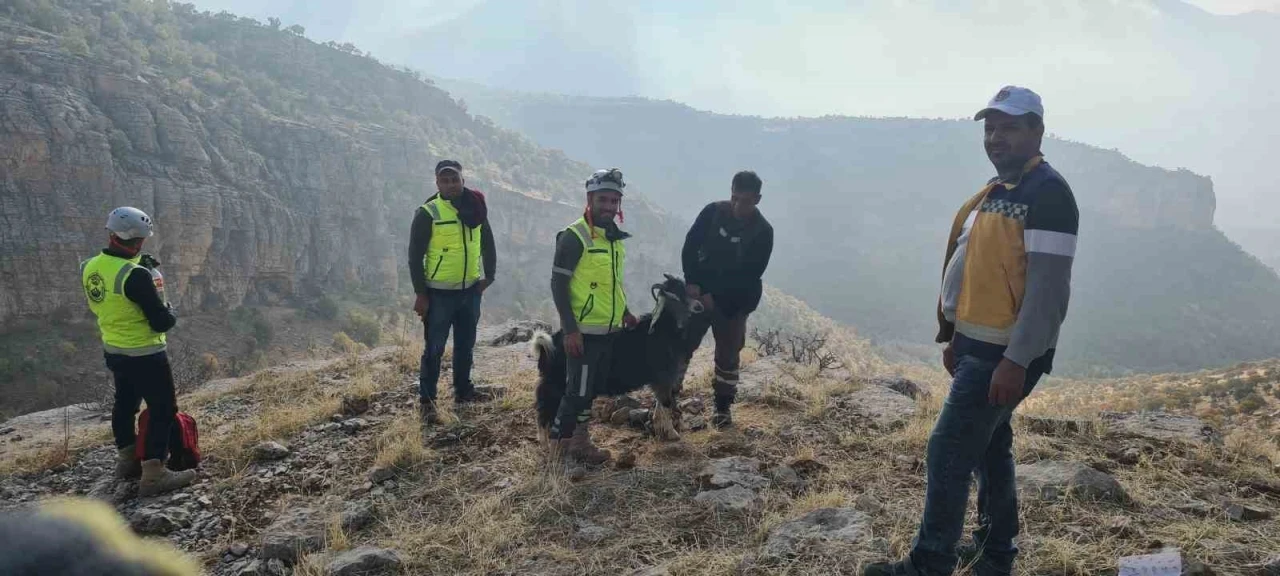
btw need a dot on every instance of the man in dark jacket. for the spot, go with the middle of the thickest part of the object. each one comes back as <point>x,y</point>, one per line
<point>725,255</point>
<point>448,239</point>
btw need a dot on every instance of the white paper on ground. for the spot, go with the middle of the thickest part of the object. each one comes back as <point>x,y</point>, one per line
<point>1162,564</point>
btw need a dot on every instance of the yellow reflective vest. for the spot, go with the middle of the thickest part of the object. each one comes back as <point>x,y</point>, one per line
<point>595,289</point>
<point>452,261</point>
<point>124,327</point>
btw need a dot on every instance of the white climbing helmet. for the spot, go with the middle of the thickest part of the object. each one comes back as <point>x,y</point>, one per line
<point>128,223</point>
<point>610,179</point>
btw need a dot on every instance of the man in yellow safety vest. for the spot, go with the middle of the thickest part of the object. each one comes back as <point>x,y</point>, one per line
<point>449,239</point>
<point>586,285</point>
<point>132,319</point>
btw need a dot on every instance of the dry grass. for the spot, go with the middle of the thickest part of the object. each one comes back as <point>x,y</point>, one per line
<point>401,444</point>
<point>49,456</point>
<point>489,505</point>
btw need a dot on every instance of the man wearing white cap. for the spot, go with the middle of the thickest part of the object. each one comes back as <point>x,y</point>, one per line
<point>450,244</point>
<point>1005,285</point>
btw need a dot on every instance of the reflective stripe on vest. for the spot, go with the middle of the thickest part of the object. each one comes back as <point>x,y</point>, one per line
<point>595,288</point>
<point>452,261</point>
<point>123,326</point>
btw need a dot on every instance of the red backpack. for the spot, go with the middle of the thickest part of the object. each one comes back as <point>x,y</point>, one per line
<point>184,441</point>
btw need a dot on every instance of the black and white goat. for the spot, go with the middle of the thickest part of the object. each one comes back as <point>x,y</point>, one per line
<point>655,353</point>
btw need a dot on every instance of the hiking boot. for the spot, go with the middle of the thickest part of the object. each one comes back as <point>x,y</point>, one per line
<point>472,396</point>
<point>721,420</point>
<point>979,564</point>
<point>156,479</point>
<point>127,465</point>
<point>583,450</point>
<point>899,568</point>
<point>427,412</point>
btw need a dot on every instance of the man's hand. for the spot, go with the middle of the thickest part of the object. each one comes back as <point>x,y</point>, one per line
<point>629,320</point>
<point>573,344</point>
<point>949,359</point>
<point>420,306</point>
<point>1007,383</point>
<point>148,261</point>
<point>708,303</point>
<point>484,285</point>
<point>693,291</point>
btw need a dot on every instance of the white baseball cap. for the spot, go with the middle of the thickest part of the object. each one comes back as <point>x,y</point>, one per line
<point>1014,101</point>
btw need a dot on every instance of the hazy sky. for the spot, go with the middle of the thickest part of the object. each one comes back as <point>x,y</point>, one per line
<point>1160,81</point>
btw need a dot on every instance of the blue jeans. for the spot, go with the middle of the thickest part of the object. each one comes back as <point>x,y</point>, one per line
<point>459,310</point>
<point>971,435</point>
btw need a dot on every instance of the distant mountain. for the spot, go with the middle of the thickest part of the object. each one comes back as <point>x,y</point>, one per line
<point>1164,80</point>
<point>862,207</point>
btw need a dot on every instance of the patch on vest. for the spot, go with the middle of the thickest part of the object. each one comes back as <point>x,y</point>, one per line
<point>1014,210</point>
<point>95,288</point>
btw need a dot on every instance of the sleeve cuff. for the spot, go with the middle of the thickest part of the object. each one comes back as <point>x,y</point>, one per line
<point>1021,357</point>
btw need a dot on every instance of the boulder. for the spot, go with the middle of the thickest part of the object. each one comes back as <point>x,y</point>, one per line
<point>1049,480</point>
<point>821,527</point>
<point>732,499</point>
<point>732,471</point>
<point>885,408</point>
<point>1161,427</point>
<point>295,532</point>
<point>365,561</point>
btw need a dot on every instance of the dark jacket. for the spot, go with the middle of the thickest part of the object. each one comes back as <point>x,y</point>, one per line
<point>141,290</point>
<point>473,212</point>
<point>726,257</point>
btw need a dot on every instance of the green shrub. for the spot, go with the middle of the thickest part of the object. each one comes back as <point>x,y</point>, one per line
<point>363,328</point>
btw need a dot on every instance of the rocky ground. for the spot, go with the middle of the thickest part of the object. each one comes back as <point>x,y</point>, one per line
<point>321,468</point>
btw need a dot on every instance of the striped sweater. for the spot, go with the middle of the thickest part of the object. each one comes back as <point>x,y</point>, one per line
<point>1007,272</point>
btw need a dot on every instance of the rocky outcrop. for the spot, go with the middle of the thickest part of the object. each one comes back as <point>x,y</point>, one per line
<point>252,207</point>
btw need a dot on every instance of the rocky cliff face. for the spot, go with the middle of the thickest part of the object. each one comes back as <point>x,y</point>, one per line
<point>251,206</point>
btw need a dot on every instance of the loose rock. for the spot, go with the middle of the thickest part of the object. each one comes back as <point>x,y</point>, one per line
<point>380,474</point>
<point>868,504</point>
<point>354,406</point>
<point>238,549</point>
<point>732,471</point>
<point>902,386</point>
<point>732,499</point>
<point>638,417</point>
<point>593,533</point>
<point>818,528</point>
<point>159,522</point>
<point>357,516</point>
<point>365,561</point>
<point>268,451</point>
<point>354,425</point>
